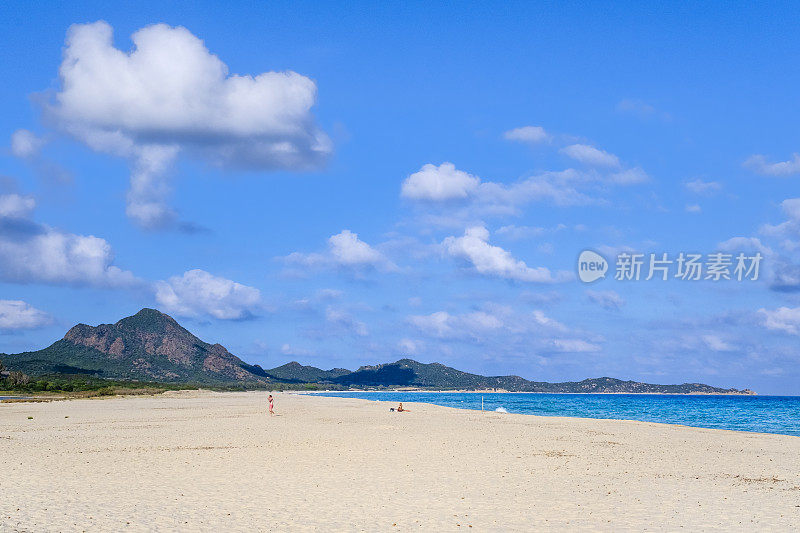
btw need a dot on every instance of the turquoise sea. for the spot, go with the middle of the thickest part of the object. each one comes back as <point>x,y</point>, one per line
<point>765,414</point>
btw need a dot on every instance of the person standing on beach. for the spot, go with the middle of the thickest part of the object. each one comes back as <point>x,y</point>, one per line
<point>271,412</point>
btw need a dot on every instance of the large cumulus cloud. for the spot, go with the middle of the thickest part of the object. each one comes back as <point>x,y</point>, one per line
<point>170,95</point>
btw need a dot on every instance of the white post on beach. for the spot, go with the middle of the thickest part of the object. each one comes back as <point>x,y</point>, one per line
<point>481,404</point>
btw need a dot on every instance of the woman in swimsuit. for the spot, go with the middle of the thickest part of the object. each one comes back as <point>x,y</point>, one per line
<point>270,405</point>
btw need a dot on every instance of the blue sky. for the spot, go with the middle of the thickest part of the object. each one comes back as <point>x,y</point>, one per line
<point>411,180</point>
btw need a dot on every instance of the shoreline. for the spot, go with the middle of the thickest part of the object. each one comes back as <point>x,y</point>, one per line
<point>554,393</point>
<point>565,417</point>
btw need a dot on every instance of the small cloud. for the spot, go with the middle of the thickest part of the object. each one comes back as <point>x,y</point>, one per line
<point>704,188</point>
<point>19,315</point>
<point>744,244</point>
<point>527,134</point>
<point>546,248</point>
<point>629,176</point>
<point>591,156</point>
<point>693,208</point>
<point>25,144</point>
<point>758,163</point>
<point>329,294</point>
<point>574,346</point>
<point>345,250</point>
<point>491,260</point>
<point>785,277</point>
<point>716,344</point>
<point>445,325</point>
<point>517,233</point>
<point>198,293</point>
<point>293,351</point>
<point>16,206</point>
<point>409,346</point>
<point>441,183</point>
<point>786,319</point>
<point>36,253</point>
<point>789,228</point>
<point>609,300</point>
<point>346,321</point>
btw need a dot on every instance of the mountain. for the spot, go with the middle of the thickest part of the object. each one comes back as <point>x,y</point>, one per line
<point>297,373</point>
<point>152,346</point>
<point>407,372</point>
<point>410,373</point>
<point>148,346</point>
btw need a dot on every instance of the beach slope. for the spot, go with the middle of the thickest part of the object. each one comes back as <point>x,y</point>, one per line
<point>216,461</point>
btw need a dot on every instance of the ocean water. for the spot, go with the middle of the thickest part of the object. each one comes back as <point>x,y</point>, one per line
<point>765,414</point>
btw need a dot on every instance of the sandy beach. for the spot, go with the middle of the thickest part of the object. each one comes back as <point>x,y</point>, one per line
<point>204,461</point>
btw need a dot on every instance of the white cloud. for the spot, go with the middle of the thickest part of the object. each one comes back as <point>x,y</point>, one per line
<point>589,155</point>
<point>517,233</point>
<point>25,144</point>
<point>502,329</point>
<point>744,244</point>
<point>465,198</point>
<point>758,163</point>
<point>198,293</point>
<point>791,227</point>
<point>540,318</point>
<point>716,344</point>
<point>287,349</point>
<point>629,176</point>
<point>16,206</point>
<point>492,260</point>
<point>444,182</point>
<point>560,188</point>
<point>527,134</point>
<point>16,314</point>
<point>574,346</point>
<point>701,187</point>
<point>409,346</point>
<point>170,95</point>
<point>610,300</point>
<point>28,146</point>
<point>345,249</point>
<point>346,321</point>
<point>148,188</point>
<point>445,325</point>
<point>36,253</point>
<point>782,319</point>
<point>693,208</point>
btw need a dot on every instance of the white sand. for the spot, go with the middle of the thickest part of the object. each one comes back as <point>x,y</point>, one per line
<point>215,462</point>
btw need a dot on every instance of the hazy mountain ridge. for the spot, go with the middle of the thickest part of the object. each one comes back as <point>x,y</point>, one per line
<point>152,346</point>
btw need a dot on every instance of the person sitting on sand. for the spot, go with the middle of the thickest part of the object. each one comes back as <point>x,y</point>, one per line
<point>401,410</point>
